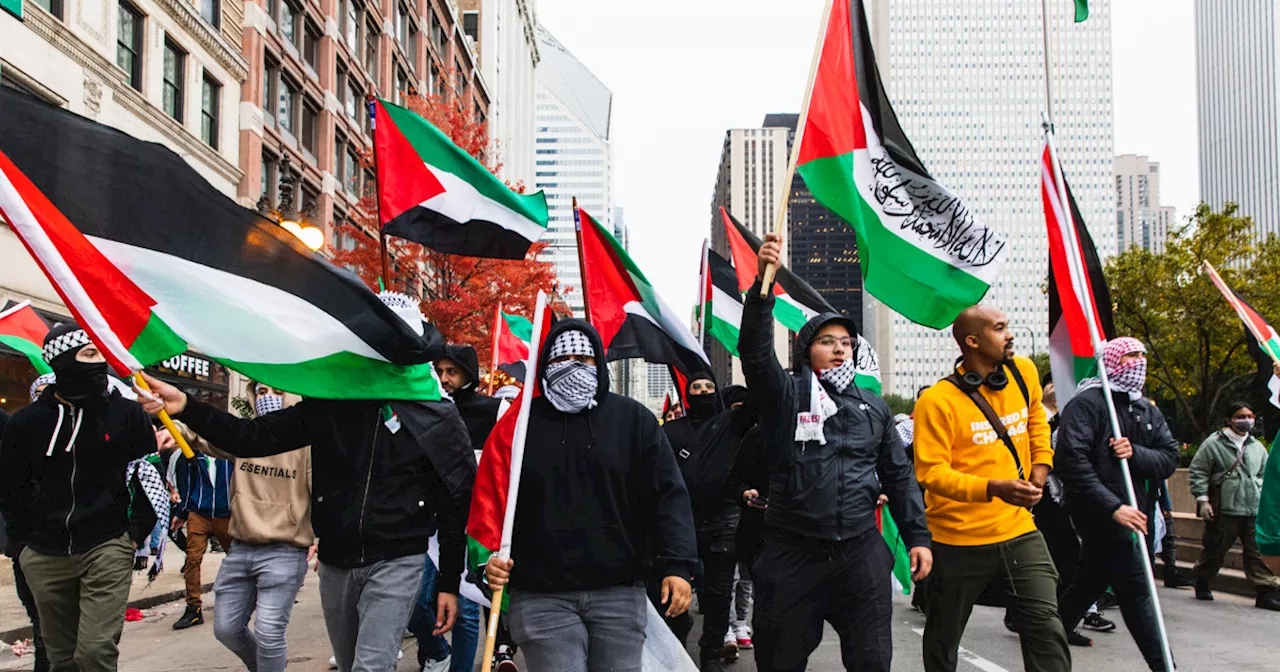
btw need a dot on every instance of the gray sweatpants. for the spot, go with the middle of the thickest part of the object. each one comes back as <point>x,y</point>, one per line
<point>366,609</point>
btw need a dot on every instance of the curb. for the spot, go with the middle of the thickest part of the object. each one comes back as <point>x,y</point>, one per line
<point>147,602</point>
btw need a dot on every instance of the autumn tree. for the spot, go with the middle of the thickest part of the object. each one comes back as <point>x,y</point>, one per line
<point>1197,356</point>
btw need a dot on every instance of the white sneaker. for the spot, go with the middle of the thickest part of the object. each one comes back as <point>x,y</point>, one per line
<point>729,637</point>
<point>438,665</point>
<point>333,662</point>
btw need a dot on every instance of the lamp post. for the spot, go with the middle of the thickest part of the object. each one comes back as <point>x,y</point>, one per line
<point>1030,332</point>
<point>295,221</point>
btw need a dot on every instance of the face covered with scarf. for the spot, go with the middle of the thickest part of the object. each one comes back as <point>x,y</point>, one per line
<point>571,379</point>
<point>267,399</point>
<point>80,368</point>
<point>1125,359</point>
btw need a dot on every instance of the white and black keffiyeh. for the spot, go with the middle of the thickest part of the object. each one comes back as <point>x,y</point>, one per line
<point>840,376</point>
<point>268,403</point>
<point>69,341</point>
<point>571,343</point>
<point>571,385</point>
<point>154,488</point>
<point>906,427</point>
<point>405,307</point>
<point>42,379</point>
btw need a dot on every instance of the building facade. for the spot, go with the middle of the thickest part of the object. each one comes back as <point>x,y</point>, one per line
<point>504,34</point>
<point>967,82</point>
<point>1236,100</point>
<point>573,157</point>
<point>1140,219</point>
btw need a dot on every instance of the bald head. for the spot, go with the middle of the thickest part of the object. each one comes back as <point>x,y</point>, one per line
<point>983,331</point>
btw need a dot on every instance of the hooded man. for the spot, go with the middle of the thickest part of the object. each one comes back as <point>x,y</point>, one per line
<point>386,476</point>
<point>602,507</point>
<point>831,449</point>
<point>705,442</point>
<point>1088,461</point>
<point>65,497</point>
<point>459,372</point>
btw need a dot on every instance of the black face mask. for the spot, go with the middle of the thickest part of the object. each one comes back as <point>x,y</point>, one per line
<point>83,384</point>
<point>702,406</point>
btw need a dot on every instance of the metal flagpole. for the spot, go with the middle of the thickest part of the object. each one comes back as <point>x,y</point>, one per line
<point>702,296</point>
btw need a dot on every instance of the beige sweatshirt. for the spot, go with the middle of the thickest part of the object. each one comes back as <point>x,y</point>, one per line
<point>270,496</point>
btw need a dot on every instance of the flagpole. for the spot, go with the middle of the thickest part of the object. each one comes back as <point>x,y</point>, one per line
<point>1222,288</point>
<point>702,297</point>
<point>1048,65</point>
<point>780,219</point>
<point>382,237</point>
<point>582,260</point>
<point>166,420</point>
<point>1080,284</point>
<point>517,465</point>
<point>497,326</point>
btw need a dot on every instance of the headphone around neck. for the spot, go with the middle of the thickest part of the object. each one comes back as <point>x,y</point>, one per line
<point>970,381</point>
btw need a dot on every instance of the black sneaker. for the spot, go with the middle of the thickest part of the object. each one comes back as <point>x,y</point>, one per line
<point>1008,623</point>
<point>503,660</point>
<point>1074,638</point>
<point>1177,580</point>
<point>1095,621</point>
<point>1203,592</point>
<point>192,616</point>
<point>1107,600</point>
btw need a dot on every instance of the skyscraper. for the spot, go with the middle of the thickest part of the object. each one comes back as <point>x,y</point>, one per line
<point>966,79</point>
<point>1140,219</point>
<point>573,157</point>
<point>1236,70</point>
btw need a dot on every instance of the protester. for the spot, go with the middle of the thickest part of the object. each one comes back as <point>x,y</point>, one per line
<point>1088,460</point>
<point>73,446</point>
<point>602,507</point>
<point>831,449</point>
<point>204,488</point>
<point>983,455</point>
<point>739,632</point>
<point>1226,480</point>
<point>385,474</point>
<point>705,443</point>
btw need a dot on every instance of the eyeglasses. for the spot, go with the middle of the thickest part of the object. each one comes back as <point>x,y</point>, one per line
<point>831,341</point>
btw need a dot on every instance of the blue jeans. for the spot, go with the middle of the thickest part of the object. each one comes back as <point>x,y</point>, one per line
<point>365,609</point>
<point>157,533</point>
<point>592,630</point>
<point>262,581</point>
<point>466,631</point>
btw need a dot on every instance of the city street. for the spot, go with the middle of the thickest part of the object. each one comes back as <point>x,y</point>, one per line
<point>1228,634</point>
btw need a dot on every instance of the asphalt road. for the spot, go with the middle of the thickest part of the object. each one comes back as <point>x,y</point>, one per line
<point>1228,634</point>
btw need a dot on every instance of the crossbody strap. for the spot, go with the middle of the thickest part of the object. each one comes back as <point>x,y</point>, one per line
<point>1239,456</point>
<point>996,425</point>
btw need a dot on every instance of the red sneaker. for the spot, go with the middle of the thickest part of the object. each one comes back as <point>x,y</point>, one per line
<point>744,642</point>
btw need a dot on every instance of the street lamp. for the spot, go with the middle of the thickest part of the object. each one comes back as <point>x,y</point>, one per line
<point>1030,332</point>
<point>297,222</point>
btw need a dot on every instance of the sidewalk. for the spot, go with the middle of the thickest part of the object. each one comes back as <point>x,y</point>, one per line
<point>168,586</point>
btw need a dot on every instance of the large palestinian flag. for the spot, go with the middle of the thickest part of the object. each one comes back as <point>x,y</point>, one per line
<point>432,192</point>
<point>923,252</point>
<point>23,330</point>
<point>796,301</point>
<point>153,261</point>
<point>1077,289</point>
<point>633,321</point>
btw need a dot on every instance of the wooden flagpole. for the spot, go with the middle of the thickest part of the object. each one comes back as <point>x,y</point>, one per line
<point>164,418</point>
<point>780,220</point>
<point>382,237</point>
<point>582,260</point>
<point>497,327</point>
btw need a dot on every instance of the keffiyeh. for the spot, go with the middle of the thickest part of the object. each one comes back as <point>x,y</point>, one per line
<point>571,386</point>
<point>1130,377</point>
<point>821,406</point>
<point>154,488</point>
<point>42,379</point>
<point>571,343</point>
<point>840,376</point>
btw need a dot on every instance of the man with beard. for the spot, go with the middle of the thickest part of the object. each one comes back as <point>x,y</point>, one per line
<point>65,498</point>
<point>705,442</point>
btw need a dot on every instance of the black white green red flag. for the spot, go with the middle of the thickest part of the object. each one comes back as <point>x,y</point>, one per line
<point>432,192</point>
<point>923,252</point>
<point>23,330</point>
<point>721,302</point>
<point>153,261</point>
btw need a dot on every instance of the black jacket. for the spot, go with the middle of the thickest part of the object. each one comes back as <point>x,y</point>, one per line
<point>479,412</point>
<point>706,451</point>
<point>375,494</point>
<point>1090,472</point>
<point>63,497</point>
<point>825,491</point>
<point>601,499</point>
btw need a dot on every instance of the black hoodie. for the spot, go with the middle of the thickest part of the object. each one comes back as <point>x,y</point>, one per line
<point>479,412</point>
<point>63,496</point>
<point>705,442</point>
<point>601,499</point>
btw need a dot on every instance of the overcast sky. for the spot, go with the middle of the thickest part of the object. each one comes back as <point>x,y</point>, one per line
<point>684,71</point>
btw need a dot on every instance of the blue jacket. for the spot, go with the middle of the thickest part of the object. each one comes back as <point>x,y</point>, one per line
<point>198,493</point>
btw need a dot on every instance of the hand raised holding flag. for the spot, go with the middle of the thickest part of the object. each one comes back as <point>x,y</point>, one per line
<point>770,253</point>
<point>163,397</point>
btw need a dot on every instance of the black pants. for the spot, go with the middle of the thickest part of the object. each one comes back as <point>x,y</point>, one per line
<point>1110,555</point>
<point>801,582</point>
<point>29,603</point>
<point>714,584</point>
<point>1059,534</point>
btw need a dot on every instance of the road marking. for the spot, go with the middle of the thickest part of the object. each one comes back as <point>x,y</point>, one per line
<point>971,657</point>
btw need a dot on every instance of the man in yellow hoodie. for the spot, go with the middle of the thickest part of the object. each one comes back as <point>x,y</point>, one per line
<point>980,484</point>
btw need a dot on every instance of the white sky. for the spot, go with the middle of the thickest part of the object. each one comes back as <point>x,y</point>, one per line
<point>684,71</point>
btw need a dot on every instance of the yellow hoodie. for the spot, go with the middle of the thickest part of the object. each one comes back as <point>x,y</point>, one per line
<point>957,453</point>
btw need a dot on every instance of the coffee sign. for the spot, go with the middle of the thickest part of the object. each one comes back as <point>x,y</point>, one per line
<point>188,364</point>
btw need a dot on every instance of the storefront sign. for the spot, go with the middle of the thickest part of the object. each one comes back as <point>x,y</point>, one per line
<point>188,364</point>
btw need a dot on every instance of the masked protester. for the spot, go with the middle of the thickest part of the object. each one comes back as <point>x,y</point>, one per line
<point>1088,461</point>
<point>1226,480</point>
<point>831,449</point>
<point>72,447</point>
<point>374,537</point>
<point>705,442</point>
<point>602,507</point>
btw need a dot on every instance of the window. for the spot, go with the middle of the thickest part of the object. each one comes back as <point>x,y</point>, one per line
<point>211,10</point>
<point>471,25</point>
<point>371,38</point>
<point>288,22</point>
<point>339,148</point>
<point>368,181</point>
<point>175,63</point>
<point>352,171</point>
<point>210,99</point>
<point>129,45</point>
<point>311,45</point>
<point>54,7</point>
<point>433,84</point>
<point>351,24</point>
<point>288,105</point>
<point>273,9</point>
<point>270,86</point>
<point>355,98</point>
<point>402,24</point>
<point>269,181</point>
<point>399,86</point>
<point>310,116</point>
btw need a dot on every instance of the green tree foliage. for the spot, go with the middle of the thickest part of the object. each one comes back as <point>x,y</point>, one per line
<point>1041,360</point>
<point>1198,360</point>
<point>899,404</point>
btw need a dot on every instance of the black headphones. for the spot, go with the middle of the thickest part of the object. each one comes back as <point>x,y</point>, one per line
<point>970,381</point>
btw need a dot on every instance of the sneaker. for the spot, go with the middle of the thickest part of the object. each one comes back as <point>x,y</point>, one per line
<point>1203,592</point>
<point>1175,579</point>
<point>1269,600</point>
<point>1074,638</point>
<point>743,634</point>
<point>192,616</point>
<point>1008,623</point>
<point>729,653</point>
<point>1107,601</point>
<point>1098,623</point>
<point>504,660</point>
<point>438,665</point>
<point>333,662</point>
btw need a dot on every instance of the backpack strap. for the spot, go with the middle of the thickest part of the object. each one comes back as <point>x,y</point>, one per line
<point>1022,384</point>
<point>990,414</point>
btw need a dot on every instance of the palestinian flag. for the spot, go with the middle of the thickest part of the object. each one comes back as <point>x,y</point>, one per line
<point>666,405</point>
<point>23,330</point>
<point>796,302</point>
<point>1260,336</point>
<point>497,487</point>
<point>721,301</point>
<point>923,252</point>
<point>1071,354</point>
<point>153,261</point>
<point>1082,10</point>
<point>433,193</point>
<point>511,335</point>
<point>897,547</point>
<point>633,321</point>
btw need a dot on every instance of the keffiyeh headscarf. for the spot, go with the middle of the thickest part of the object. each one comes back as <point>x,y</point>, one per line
<point>1130,377</point>
<point>571,385</point>
<point>840,376</point>
<point>42,379</point>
